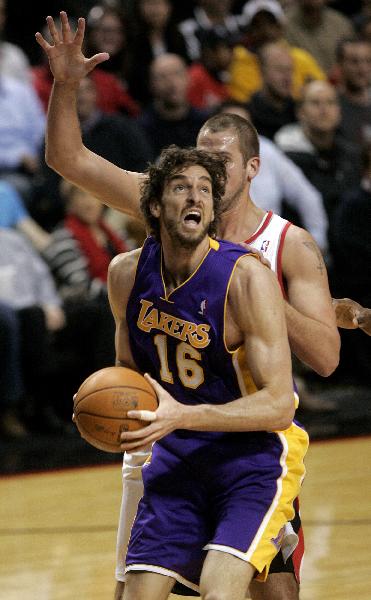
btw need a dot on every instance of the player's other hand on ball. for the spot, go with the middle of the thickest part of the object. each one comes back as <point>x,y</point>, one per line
<point>346,311</point>
<point>168,417</point>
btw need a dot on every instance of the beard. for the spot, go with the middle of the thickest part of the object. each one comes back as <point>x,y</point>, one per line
<point>187,241</point>
<point>229,201</point>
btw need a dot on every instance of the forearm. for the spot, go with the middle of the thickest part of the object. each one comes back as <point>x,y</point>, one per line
<point>315,343</point>
<point>260,411</point>
<point>63,135</point>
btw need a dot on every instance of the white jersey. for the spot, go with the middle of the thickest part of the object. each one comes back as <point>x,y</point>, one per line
<point>269,238</point>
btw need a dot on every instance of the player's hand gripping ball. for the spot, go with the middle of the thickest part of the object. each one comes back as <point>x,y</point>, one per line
<point>102,401</point>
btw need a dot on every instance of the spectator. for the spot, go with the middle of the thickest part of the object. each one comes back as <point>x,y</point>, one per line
<point>13,214</point>
<point>106,32</point>
<point>22,124</point>
<point>111,93</point>
<point>82,246</point>
<point>209,76</point>
<point>27,287</point>
<point>362,24</point>
<point>354,61</point>
<point>317,28</point>
<point>281,183</point>
<point>214,15</point>
<point>273,106</point>
<point>112,97</point>
<point>14,62</point>
<point>327,160</point>
<point>350,238</point>
<point>78,256</point>
<point>11,376</point>
<point>170,119</point>
<point>151,32</point>
<point>264,23</point>
<point>117,138</point>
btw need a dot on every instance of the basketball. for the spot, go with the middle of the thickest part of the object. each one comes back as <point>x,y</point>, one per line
<point>102,401</point>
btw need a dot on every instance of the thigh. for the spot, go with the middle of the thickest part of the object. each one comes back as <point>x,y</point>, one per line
<point>225,575</point>
<point>147,586</point>
<point>171,527</point>
<point>252,513</point>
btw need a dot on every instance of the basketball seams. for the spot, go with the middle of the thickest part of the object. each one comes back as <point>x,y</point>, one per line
<point>112,387</point>
<point>102,402</point>
<point>115,448</point>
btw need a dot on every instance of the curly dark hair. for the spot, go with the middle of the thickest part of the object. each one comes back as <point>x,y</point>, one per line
<point>173,160</point>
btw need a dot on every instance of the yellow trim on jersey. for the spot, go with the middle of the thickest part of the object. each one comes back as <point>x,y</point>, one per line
<point>245,381</point>
<point>139,255</point>
<point>213,245</point>
<point>295,443</point>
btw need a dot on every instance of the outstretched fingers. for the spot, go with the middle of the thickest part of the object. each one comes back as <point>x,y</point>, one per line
<point>53,30</point>
<point>96,60</point>
<point>66,29</point>
<point>42,42</point>
<point>80,32</point>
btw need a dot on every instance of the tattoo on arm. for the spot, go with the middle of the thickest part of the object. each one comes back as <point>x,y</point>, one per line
<point>311,246</point>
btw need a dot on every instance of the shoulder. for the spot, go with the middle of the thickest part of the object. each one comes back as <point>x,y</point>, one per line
<point>124,265</point>
<point>303,59</point>
<point>254,290</point>
<point>300,252</point>
<point>250,274</point>
<point>295,237</point>
<point>334,17</point>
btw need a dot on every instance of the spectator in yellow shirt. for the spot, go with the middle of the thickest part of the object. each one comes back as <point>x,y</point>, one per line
<point>264,22</point>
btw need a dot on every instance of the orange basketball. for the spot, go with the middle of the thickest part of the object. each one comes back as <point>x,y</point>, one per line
<point>102,401</point>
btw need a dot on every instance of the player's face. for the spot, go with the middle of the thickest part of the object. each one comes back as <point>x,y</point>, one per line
<point>237,172</point>
<point>186,210</point>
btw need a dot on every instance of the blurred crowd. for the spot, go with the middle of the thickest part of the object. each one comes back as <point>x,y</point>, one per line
<point>299,69</point>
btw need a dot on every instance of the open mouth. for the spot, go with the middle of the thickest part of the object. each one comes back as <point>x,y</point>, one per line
<point>193,217</point>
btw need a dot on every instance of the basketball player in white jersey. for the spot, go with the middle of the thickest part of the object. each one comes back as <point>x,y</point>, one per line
<point>292,252</point>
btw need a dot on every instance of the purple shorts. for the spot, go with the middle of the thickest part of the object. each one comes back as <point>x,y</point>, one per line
<point>230,492</point>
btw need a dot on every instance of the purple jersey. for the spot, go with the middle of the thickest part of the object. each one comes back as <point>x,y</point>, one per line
<point>232,491</point>
<point>179,338</point>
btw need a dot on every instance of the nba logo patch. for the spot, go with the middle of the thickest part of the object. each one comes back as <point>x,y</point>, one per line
<point>264,246</point>
<point>277,541</point>
<point>203,307</point>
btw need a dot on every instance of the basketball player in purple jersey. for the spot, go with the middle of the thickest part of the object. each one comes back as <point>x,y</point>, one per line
<point>207,320</point>
<point>310,318</point>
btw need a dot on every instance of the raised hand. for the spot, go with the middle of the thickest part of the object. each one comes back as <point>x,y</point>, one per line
<point>67,62</point>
